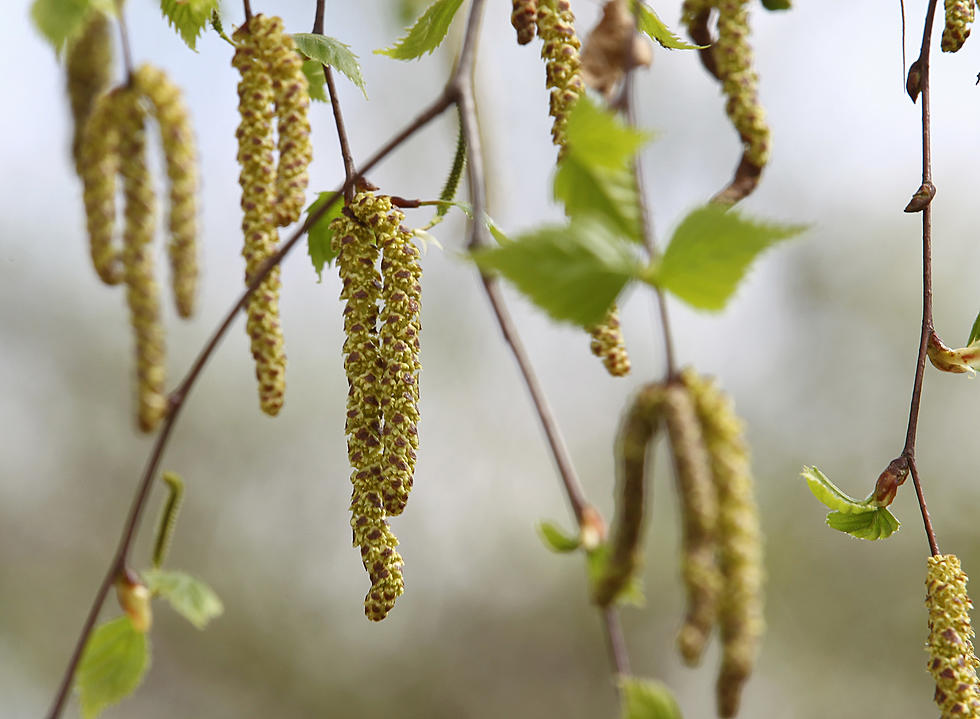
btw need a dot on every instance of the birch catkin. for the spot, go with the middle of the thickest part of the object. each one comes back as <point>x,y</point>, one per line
<point>524,19</point>
<point>739,539</point>
<point>609,346</point>
<point>89,66</point>
<point>97,166</point>
<point>952,660</point>
<point>959,17</point>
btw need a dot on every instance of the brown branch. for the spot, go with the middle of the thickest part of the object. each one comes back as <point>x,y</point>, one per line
<point>618,654</point>
<point>247,7</point>
<point>124,41</point>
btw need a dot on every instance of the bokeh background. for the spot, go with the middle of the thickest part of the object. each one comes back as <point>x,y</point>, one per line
<point>818,349</point>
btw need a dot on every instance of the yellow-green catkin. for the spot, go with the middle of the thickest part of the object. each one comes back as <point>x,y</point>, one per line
<point>180,158</point>
<point>952,660</point>
<point>560,51</point>
<point>739,539</point>
<point>959,17</point>
<point>636,432</point>
<point>699,522</point>
<point>142,291</point>
<point>97,166</point>
<point>357,248</point>
<point>292,99</point>
<point>88,63</point>
<point>524,18</point>
<point>256,156</point>
<point>608,344</point>
<point>733,58</point>
<point>398,345</point>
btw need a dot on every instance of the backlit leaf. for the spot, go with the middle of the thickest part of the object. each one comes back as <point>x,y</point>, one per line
<point>427,33</point>
<point>872,524</point>
<point>653,26</point>
<point>331,51</point>
<point>113,664</point>
<point>647,699</point>
<point>319,240</point>
<point>831,495</point>
<point>190,597</point>
<point>62,20</point>
<point>314,78</point>
<point>557,540</point>
<point>189,17</point>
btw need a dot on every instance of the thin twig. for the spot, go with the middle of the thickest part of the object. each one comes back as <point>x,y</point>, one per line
<point>248,9</point>
<point>124,41</point>
<point>616,643</point>
<point>179,395</point>
<point>926,519</point>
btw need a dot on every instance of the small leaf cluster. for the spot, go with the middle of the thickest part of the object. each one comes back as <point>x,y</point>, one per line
<point>864,519</point>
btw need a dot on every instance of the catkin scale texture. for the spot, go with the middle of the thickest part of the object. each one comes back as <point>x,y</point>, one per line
<point>180,158</point>
<point>88,63</point>
<point>524,19</point>
<point>952,660</point>
<point>608,344</point>
<point>98,165</point>
<point>739,539</point>
<point>959,17</point>
<point>258,182</point>
<point>142,291</point>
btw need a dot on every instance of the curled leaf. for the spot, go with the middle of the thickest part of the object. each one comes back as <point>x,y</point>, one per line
<point>964,360</point>
<point>830,494</point>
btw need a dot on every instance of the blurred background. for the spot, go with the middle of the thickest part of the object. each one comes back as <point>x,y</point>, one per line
<point>818,349</point>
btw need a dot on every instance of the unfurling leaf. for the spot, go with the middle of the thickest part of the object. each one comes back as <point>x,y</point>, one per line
<point>427,33</point>
<point>831,495</point>
<point>653,26</point>
<point>711,251</point>
<point>319,240</point>
<point>573,272</point>
<point>557,540</point>
<point>191,598</point>
<point>330,51</point>
<point>964,360</point>
<point>189,17</point>
<point>872,524</point>
<point>647,699</point>
<point>113,664</point>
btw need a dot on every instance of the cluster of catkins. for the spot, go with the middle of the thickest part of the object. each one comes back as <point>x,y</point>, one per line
<point>959,17</point>
<point>381,322</point>
<point>721,539</point>
<point>110,140</point>
<point>952,660</point>
<point>272,88</point>
<point>555,25</point>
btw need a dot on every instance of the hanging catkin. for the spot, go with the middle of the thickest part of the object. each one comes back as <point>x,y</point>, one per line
<point>258,182</point>
<point>180,157</point>
<point>89,66</point>
<point>524,19</point>
<point>959,17</point>
<point>608,344</point>
<point>952,660</point>
<point>699,521</point>
<point>97,166</point>
<point>739,539</point>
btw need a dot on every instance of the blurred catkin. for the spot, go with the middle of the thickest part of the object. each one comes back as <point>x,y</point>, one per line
<point>524,18</point>
<point>142,292</point>
<point>258,182</point>
<point>180,158</point>
<point>699,521</point>
<point>952,660</point>
<point>608,344</point>
<point>97,166</point>
<point>88,63</point>
<point>739,538</point>
<point>959,17</point>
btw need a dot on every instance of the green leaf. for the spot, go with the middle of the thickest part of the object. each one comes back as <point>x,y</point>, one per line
<point>574,272</point>
<point>599,138</point>
<point>776,4</point>
<point>113,664</point>
<point>190,597</point>
<point>330,51</point>
<point>319,240</point>
<point>647,699</point>
<point>314,78</point>
<point>60,20</point>
<point>711,251</point>
<point>189,17</point>
<point>653,26</point>
<point>831,495</point>
<point>556,540</point>
<point>427,33</point>
<point>871,524</point>
<point>974,331</point>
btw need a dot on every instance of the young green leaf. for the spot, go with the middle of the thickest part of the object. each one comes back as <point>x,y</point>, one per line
<point>609,195</point>
<point>974,331</point>
<point>330,51</point>
<point>190,597</point>
<point>831,495</point>
<point>113,664</point>
<point>711,251</point>
<point>648,22</point>
<point>647,699</point>
<point>427,33</point>
<point>62,20</point>
<point>573,272</point>
<point>598,138</point>
<point>556,540</point>
<point>871,524</point>
<point>319,240</point>
<point>189,17</point>
<point>314,78</point>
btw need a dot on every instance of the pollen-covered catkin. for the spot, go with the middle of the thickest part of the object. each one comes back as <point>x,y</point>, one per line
<point>292,99</point>
<point>524,19</point>
<point>98,165</point>
<point>733,57</point>
<point>959,17</point>
<point>952,660</point>
<point>699,522</point>
<point>608,344</point>
<point>88,63</point>
<point>357,249</point>
<point>258,182</point>
<point>739,539</point>
<point>180,158</point>
<point>560,51</point>
<point>636,432</point>
<point>142,292</point>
